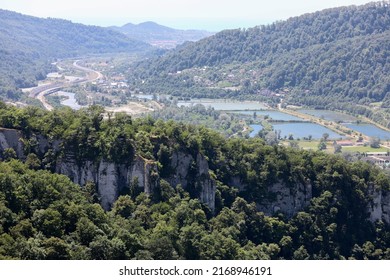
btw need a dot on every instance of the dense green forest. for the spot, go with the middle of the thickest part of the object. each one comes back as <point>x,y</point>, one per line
<point>330,58</point>
<point>227,125</point>
<point>45,216</point>
<point>28,45</point>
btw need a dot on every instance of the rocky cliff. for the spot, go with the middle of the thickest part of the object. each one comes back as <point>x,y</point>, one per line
<point>111,178</point>
<point>189,171</point>
<point>182,164</point>
<point>379,209</point>
<point>288,200</point>
<point>10,138</point>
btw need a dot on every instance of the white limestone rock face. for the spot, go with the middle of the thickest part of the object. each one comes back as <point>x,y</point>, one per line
<point>43,144</point>
<point>379,208</point>
<point>207,195</point>
<point>386,207</point>
<point>141,169</point>
<point>10,138</point>
<point>78,174</point>
<point>289,200</point>
<point>108,184</point>
<point>182,163</point>
<point>109,178</point>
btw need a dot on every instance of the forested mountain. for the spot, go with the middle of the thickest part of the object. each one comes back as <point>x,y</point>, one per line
<point>159,35</point>
<point>335,56</point>
<point>28,45</point>
<point>163,213</point>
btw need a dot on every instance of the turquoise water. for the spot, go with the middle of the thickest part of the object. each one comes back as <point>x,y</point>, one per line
<point>275,115</point>
<point>256,129</point>
<point>370,130</point>
<point>301,130</point>
<point>329,115</point>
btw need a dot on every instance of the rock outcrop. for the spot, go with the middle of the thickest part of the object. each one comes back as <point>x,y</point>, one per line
<point>10,138</point>
<point>109,178</point>
<point>379,208</point>
<point>189,171</point>
<point>286,199</point>
<point>182,164</point>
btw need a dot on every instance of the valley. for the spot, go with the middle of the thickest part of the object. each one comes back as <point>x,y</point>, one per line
<point>287,125</point>
<point>262,143</point>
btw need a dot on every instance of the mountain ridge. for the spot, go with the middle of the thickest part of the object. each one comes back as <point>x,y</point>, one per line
<point>155,34</point>
<point>28,44</point>
<point>328,59</point>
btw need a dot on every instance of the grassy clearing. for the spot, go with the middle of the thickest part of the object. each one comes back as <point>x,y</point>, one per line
<point>313,145</point>
<point>363,149</point>
<point>309,145</point>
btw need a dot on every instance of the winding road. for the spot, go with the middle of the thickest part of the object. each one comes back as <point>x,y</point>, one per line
<point>92,75</point>
<point>40,92</point>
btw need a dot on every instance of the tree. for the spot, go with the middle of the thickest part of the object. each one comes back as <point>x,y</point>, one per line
<point>271,138</point>
<point>337,148</point>
<point>56,249</point>
<point>375,142</point>
<point>134,189</point>
<point>33,162</point>
<point>164,192</point>
<point>101,248</point>
<point>325,136</point>
<point>301,254</point>
<point>48,221</point>
<point>322,145</point>
<point>190,241</point>
<point>9,153</point>
<point>294,144</point>
<point>124,206</point>
<point>86,231</point>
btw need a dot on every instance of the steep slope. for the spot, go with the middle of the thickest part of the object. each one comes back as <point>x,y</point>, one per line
<point>28,44</point>
<point>159,35</point>
<point>334,55</point>
<point>207,197</point>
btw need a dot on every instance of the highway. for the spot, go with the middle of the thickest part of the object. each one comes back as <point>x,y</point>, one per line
<point>40,92</point>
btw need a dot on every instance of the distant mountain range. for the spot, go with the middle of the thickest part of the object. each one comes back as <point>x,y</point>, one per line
<point>159,35</point>
<point>28,45</point>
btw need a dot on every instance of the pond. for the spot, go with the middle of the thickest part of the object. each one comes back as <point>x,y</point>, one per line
<point>54,75</point>
<point>275,115</point>
<point>70,101</point>
<point>256,129</point>
<point>329,115</point>
<point>301,130</point>
<point>144,96</point>
<point>224,104</point>
<point>370,130</point>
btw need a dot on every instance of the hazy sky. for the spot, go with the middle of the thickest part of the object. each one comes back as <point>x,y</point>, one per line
<point>213,15</point>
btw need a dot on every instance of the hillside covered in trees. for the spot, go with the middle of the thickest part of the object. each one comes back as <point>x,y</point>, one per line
<point>330,58</point>
<point>46,216</point>
<point>28,45</point>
